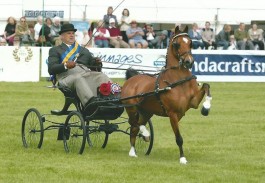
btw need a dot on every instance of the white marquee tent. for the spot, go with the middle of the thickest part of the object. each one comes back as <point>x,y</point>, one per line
<point>151,11</point>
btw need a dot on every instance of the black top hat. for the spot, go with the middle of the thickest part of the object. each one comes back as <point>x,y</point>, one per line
<point>66,28</point>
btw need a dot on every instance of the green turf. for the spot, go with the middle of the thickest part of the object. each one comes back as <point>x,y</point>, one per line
<point>226,146</point>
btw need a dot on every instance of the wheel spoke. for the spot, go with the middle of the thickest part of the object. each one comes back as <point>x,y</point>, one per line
<point>32,129</point>
<point>74,133</point>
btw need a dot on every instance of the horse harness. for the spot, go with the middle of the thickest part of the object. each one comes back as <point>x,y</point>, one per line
<point>177,46</point>
<point>159,90</point>
<point>179,57</point>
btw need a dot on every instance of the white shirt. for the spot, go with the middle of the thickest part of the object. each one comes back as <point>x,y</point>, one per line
<point>37,29</point>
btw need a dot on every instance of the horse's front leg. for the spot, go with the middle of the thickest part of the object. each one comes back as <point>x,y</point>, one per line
<point>207,103</point>
<point>196,100</point>
<point>174,120</point>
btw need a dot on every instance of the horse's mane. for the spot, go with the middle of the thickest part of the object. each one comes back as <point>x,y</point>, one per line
<point>170,40</point>
<point>132,72</point>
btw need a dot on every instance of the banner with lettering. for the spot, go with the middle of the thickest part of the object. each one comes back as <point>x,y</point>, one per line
<point>226,65</point>
<point>116,61</point>
<point>209,65</point>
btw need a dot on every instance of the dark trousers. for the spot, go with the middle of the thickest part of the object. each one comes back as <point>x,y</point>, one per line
<point>124,36</point>
<point>260,43</point>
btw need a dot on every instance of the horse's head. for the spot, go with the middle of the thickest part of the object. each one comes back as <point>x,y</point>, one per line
<point>180,45</point>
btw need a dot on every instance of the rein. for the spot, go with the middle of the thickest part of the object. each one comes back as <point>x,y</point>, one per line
<point>169,86</point>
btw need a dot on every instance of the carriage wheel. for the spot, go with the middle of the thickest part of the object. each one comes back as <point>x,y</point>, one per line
<point>74,131</point>
<point>32,129</point>
<point>96,136</point>
<point>142,146</point>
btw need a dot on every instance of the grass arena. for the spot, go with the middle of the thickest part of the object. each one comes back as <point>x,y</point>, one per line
<point>226,146</point>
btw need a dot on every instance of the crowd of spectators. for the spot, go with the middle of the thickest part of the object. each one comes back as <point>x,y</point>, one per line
<point>112,32</point>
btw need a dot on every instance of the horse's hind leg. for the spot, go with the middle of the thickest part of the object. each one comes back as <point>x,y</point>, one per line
<point>137,121</point>
<point>134,130</point>
<point>143,118</point>
<point>174,120</point>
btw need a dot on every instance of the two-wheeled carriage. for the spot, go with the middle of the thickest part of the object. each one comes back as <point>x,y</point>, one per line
<point>169,94</point>
<point>79,127</point>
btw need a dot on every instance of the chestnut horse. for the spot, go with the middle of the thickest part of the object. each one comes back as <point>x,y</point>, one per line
<point>175,91</point>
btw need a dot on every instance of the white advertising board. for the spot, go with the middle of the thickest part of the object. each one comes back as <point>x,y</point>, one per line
<point>118,60</point>
<point>210,65</point>
<point>19,64</point>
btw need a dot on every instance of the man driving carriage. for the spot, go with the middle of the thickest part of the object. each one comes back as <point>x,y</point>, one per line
<point>72,63</point>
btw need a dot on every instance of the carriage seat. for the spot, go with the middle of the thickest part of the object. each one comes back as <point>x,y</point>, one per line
<point>70,98</point>
<point>106,106</point>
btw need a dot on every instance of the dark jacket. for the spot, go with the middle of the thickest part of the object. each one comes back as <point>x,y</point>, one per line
<point>54,65</point>
<point>223,36</point>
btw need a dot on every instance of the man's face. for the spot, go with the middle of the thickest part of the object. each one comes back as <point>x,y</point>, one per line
<point>242,26</point>
<point>68,37</point>
<point>133,25</point>
<point>207,25</point>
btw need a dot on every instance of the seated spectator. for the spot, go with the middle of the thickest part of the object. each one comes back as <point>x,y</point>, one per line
<point>37,28</point>
<point>125,24</point>
<point>161,40</point>
<point>31,34</point>
<point>10,28</point>
<point>23,32</point>
<point>232,43</point>
<point>196,37</point>
<point>208,37</point>
<point>55,29</point>
<point>101,35</point>
<point>256,36</point>
<point>86,41</point>
<point>45,33</point>
<point>107,17</point>
<point>149,36</point>
<point>90,33</point>
<point>135,34</point>
<point>242,38</point>
<point>139,45</point>
<point>16,40</point>
<point>115,36</point>
<point>223,37</point>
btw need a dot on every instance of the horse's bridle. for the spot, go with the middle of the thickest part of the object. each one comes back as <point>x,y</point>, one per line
<point>181,56</point>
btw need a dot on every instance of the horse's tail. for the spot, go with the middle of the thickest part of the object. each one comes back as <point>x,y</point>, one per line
<point>130,73</point>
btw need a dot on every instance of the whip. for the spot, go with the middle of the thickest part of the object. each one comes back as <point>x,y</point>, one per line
<point>77,55</point>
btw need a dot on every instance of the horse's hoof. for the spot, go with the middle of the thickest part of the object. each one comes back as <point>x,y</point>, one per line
<point>183,160</point>
<point>132,153</point>
<point>205,111</point>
